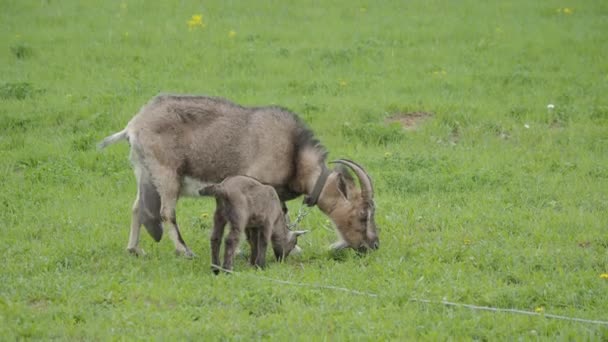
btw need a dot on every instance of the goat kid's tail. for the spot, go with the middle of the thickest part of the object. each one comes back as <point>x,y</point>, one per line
<point>116,137</point>
<point>210,190</point>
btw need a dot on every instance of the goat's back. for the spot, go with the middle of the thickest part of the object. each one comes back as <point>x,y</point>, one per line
<point>251,199</point>
<point>210,138</point>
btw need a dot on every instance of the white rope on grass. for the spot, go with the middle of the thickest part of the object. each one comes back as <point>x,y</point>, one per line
<point>420,300</point>
<point>515,311</point>
<point>287,282</point>
<point>328,287</point>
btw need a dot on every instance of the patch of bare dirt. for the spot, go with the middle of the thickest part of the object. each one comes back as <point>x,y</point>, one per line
<point>409,121</point>
<point>39,304</point>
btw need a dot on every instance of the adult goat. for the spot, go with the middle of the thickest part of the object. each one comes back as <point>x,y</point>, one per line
<point>182,143</point>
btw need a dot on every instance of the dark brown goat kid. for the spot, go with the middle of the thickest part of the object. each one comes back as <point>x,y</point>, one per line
<point>249,206</point>
<point>181,143</point>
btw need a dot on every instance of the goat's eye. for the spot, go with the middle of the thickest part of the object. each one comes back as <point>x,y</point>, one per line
<point>363,217</point>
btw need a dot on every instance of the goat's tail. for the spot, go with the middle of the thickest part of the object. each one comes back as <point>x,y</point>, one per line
<point>116,137</point>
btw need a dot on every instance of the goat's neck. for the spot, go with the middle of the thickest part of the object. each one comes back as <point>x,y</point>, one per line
<point>309,166</point>
<point>305,181</point>
<point>327,204</point>
<point>311,180</point>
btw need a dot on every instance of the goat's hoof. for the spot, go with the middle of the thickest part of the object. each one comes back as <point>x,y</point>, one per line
<point>188,254</point>
<point>136,251</point>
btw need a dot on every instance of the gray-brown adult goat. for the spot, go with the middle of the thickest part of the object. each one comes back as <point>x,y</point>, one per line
<point>181,143</point>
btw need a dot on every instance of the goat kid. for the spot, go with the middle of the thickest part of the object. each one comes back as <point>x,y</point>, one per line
<point>249,206</point>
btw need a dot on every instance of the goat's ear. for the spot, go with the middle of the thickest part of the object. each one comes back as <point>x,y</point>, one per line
<point>345,180</point>
<point>344,172</point>
<point>342,186</point>
<point>300,232</point>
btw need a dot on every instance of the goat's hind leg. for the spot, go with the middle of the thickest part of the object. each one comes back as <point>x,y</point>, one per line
<point>137,212</point>
<point>146,211</point>
<point>262,242</point>
<point>169,188</point>
<point>232,242</point>
<point>133,245</point>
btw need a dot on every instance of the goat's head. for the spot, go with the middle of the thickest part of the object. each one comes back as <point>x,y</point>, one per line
<point>351,210</point>
<point>286,243</point>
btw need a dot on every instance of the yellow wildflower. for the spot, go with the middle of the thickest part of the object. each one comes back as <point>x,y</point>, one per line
<point>387,154</point>
<point>539,309</point>
<point>204,215</point>
<point>232,34</point>
<point>197,18</point>
<point>343,83</point>
<point>467,242</point>
<point>568,10</point>
<point>604,275</point>
<point>196,22</point>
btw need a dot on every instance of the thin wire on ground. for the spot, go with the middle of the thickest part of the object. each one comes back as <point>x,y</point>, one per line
<point>420,300</point>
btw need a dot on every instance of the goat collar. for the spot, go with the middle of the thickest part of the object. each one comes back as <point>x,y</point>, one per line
<point>311,200</point>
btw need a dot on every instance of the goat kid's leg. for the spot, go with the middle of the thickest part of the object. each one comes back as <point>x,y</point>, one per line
<point>263,239</point>
<point>169,193</point>
<point>286,213</point>
<point>252,237</point>
<point>219,223</point>
<point>231,243</point>
<point>133,245</point>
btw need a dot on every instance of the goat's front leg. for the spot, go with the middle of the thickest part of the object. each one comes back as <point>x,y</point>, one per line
<point>262,242</point>
<point>286,213</point>
<point>169,192</point>
<point>252,238</point>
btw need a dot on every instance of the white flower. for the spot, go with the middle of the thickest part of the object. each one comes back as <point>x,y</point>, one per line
<point>550,106</point>
<point>526,126</point>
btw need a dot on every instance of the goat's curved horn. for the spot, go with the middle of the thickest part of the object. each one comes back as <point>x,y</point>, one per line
<point>367,191</point>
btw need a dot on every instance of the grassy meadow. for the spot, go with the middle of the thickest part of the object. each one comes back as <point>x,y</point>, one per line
<point>487,196</point>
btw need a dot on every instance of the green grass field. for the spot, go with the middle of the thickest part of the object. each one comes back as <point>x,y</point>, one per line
<point>493,199</point>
